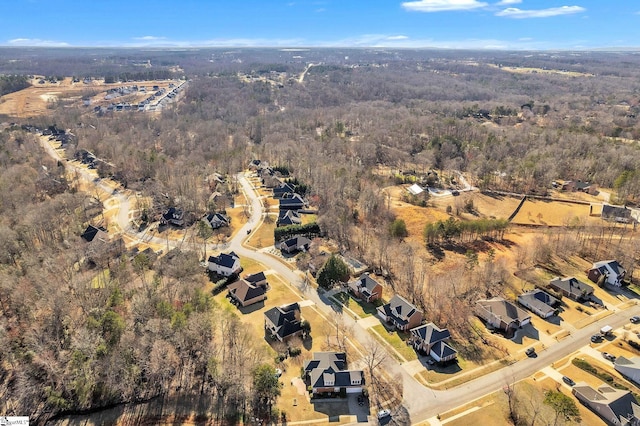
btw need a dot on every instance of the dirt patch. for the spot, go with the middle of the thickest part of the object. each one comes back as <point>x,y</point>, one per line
<point>553,213</point>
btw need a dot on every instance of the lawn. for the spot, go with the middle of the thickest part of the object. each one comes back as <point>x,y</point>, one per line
<point>263,236</point>
<point>361,308</point>
<point>397,340</point>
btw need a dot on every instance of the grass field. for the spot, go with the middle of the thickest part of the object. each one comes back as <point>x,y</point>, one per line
<point>361,308</point>
<point>397,340</point>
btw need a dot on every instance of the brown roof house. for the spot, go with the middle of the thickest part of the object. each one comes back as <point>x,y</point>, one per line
<point>402,314</point>
<point>430,339</point>
<point>366,288</point>
<point>572,288</point>
<point>609,271</point>
<point>245,293</point>
<point>502,314</point>
<point>617,407</point>
<point>284,322</point>
<point>327,372</point>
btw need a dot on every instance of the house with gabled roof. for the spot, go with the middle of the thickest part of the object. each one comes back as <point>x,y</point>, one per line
<point>173,216</point>
<point>245,293</point>
<point>628,367</point>
<point>616,406</point>
<point>288,217</point>
<point>539,302</point>
<point>259,278</point>
<point>620,214</point>
<point>366,288</point>
<point>399,312</point>
<point>297,243</point>
<point>327,373</point>
<point>217,220</point>
<point>291,202</point>
<point>608,270</point>
<point>282,189</point>
<point>432,340</point>
<point>283,322</point>
<point>572,288</point>
<point>225,264</point>
<point>94,232</point>
<point>502,314</point>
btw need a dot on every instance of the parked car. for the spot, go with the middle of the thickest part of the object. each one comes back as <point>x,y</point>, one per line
<point>608,356</point>
<point>530,351</point>
<point>384,413</point>
<point>635,319</point>
<point>568,381</point>
<point>596,338</point>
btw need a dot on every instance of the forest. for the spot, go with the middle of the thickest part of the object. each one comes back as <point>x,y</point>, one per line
<point>149,330</point>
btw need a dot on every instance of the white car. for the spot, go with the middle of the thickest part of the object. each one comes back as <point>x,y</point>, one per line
<point>384,413</point>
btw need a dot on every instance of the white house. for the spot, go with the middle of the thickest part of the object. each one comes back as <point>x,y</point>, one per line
<point>225,264</point>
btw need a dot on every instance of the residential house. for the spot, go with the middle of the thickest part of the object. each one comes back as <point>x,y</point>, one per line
<point>173,216</point>
<point>620,214</point>
<point>246,293</point>
<point>402,314</point>
<point>217,220</point>
<point>576,185</point>
<point>288,217</point>
<point>539,302</point>
<point>281,190</point>
<point>628,367</point>
<point>366,288</point>
<point>618,407</point>
<point>257,279</point>
<point>430,339</point>
<point>284,322</point>
<point>225,264</point>
<point>571,288</point>
<point>327,372</point>
<point>608,270</point>
<point>294,244</point>
<point>502,314</point>
<point>93,232</point>
<point>291,202</point>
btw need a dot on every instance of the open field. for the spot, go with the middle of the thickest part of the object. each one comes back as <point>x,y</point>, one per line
<point>528,70</point>
<point>553,213</point>
<point>37,99</point>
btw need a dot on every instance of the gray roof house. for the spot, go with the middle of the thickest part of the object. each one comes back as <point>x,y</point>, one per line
<point>245,293</point>
<point>628,367</point>
<point>282,189</point>
<point>571,288</point>
<point>366,288</point>
<point>502,314</point>
<point>327,372</point>
<point>618,407</point>
<point>399,312</point>
<point>217,220</point>
<point>288,217</point>
<point>291,202</point>
<point>430,339</point>
<point>294,244</point>
<point>539,302</point>
<point>612,271</point>
<point>283,322</point>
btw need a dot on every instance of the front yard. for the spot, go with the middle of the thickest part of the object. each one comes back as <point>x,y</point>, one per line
<point>397,340</point>
<point>359,307</point>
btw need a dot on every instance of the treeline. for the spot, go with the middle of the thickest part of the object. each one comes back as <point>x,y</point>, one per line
<point>464,231</point>
<point>12,83</point>
<point>152,74</point>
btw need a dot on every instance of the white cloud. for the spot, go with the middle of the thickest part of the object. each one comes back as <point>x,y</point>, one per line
<point>442,5</point>
<point>149,38</point>
<point>506,2</point>
<point>397,37</point>
<point>514,12</point>
<point>36,42</point>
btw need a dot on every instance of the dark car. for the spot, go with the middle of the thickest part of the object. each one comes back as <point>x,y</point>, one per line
<point>635,319</point>
<point>530,352</point>
<point>568,380</point>
<point>596,338</point>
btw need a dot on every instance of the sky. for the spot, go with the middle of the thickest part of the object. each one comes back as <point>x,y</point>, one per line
<point>453,24</point>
